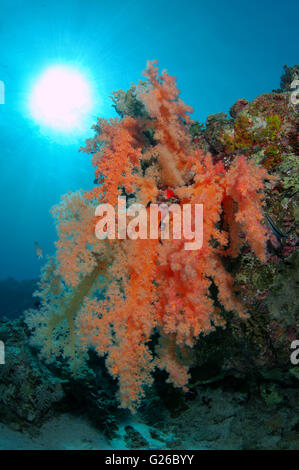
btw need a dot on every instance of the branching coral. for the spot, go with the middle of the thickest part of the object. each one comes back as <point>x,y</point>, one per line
<point>114,295</point>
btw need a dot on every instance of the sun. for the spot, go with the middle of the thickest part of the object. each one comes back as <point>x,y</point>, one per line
<point>61,99</point>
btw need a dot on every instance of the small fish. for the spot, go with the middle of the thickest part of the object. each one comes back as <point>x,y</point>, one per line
<point>38,251</point>
<point>274,229</point>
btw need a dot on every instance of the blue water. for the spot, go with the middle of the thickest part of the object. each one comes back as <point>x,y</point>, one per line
<point>219,51</point>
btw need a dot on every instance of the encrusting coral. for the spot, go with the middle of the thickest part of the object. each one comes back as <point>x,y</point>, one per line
<point>116,295</point>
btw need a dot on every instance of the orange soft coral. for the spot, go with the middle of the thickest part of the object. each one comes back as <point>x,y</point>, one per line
<point>244,185</point>
<point>116,160</point>
<point>115,294</point>
<point>161,98</point>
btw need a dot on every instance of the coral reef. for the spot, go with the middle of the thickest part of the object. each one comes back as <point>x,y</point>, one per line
<point>149,306</point>
<point>28,390</point>
<point>32,392</point>
<point>224,418</point>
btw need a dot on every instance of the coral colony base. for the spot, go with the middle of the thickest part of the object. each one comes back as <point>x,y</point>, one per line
<point>116,295</point>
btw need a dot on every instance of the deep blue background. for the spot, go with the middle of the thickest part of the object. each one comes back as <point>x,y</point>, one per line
<point>219,51</point>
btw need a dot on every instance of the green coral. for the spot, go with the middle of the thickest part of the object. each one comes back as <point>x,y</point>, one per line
<point>196,129</point>
<point>255,274</point>
<point>252,135</point>
<point>127,103</point>
<point>273,125</point>
<point>289,169</point>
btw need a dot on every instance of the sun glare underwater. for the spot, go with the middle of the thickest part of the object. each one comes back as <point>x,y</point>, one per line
<point>62,100</point>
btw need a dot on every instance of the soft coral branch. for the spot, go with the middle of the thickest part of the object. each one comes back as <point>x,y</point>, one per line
<point>169,114</point>
<point>150,286</point>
